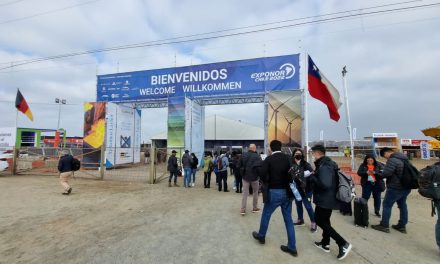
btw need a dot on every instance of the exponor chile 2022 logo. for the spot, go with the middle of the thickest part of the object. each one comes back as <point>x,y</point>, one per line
<point>286,71</point>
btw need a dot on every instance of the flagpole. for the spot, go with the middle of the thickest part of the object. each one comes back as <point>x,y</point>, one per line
<point>16,113</point>
<point>305,106</point>
<point>347,111</point>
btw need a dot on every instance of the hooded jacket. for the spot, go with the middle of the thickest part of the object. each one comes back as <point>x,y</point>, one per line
<point>393,170</point>
<point>325,183</point>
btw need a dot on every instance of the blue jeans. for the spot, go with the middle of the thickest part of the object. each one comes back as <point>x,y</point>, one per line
<point>368,189</point>
<point>307,201</point>
<point>278,197</point>
<point>437,226</point>
<point>186,177</point>
<point>193,173</point>
<point>392,196</point>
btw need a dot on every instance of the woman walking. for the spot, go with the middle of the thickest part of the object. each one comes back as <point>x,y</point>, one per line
<point>302,170</point>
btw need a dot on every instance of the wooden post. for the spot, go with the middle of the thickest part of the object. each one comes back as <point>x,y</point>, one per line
<point>14,161</point>
<point>102,162</point>
<point>152,177</point>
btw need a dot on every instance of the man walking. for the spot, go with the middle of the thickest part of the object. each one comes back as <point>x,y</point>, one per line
<point>186,164</point>
<point>395,192</point>
<point>247,163</point>
<point>222,167</point>
<point>276,168</point>
<point>325,182</point>
<point>173,168</point>
<point>66,171</point>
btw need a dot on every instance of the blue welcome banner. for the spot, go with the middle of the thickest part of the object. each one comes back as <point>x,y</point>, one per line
<point>243,77</point>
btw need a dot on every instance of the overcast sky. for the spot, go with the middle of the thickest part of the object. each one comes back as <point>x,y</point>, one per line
<point>392,58</point>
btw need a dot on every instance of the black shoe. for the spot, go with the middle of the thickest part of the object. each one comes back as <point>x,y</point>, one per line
<point>380,227</point>
<point>399,228</point>
<point>344,250</point>
<point>237,191</point>
<point>292,252</point>
<point>320,245</point>
<point>262,240</point>
<point>69,191</point>
<point>377,214</point>
<point>227,191</point>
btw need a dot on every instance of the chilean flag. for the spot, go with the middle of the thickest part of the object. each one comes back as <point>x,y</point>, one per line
<point>22,106</point>
<point>320,88</point>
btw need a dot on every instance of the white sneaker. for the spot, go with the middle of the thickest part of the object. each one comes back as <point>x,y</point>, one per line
<point>234,188</point>
<point>192,184</point>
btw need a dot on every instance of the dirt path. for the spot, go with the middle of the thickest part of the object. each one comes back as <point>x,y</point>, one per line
<point>123,222</point>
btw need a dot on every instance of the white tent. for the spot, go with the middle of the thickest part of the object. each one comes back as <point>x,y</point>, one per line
<point>221,128</point>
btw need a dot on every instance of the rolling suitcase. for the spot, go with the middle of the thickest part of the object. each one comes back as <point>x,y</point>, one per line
<point>361,212</point>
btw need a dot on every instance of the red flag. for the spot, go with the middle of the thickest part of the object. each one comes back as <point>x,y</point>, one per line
<point>22,106</point>
<point>320,88</point>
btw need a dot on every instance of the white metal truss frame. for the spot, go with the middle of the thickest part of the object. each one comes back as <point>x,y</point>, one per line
<point>224,100</point>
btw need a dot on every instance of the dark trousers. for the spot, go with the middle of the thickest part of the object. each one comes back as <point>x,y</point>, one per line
<point>171,177</point>
<point>372,188</point>
<point>207,179</point>
<point>322,217</point>
<point>223,176</point>
<point>238,181</point>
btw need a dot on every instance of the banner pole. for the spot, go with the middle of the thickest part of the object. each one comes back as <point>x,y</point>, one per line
<point>305,106</point>
<point>347,111</point>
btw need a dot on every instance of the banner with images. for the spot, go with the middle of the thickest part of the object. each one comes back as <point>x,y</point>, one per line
<point>253,76</point>
<point>284,118</point>
<point>123,135</point>
<point>111,119</point>
<point>176,122</point>
<point>94,133</point>
<point>194,127</point>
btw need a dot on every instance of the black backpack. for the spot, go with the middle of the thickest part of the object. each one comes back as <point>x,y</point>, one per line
<point>76,164</point>
<point>410,175</point>
<point>219,163</point>
<point>429,182</point>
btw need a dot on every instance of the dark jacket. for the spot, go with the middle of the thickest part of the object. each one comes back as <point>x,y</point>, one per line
<point>248,161</point>
<point>276,172</point>
<point>325,183</point>
<point>301,168</point>
<point>172,164</point>
<point>194,163</point>
<point>65,163</point>
<point>186,161</point>
<point>362,172</point>
<point>393,170</point>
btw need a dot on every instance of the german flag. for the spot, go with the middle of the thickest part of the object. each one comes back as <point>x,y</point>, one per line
<point>22,106</point>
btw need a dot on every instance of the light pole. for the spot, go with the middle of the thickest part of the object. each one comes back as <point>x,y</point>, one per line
<point>347,111</point>
<point>59,102</point>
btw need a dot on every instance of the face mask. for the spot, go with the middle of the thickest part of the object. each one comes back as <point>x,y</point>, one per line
<point>298,157</point>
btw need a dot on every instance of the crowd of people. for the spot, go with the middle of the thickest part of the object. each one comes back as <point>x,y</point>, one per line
<point>282,178</point>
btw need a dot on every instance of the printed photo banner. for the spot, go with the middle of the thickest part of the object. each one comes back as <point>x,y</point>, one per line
<point>253,76</point>
<point>284,118</point>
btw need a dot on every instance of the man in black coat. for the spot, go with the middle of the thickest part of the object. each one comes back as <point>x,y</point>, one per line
<point>325,183</point>
<point>247,166</point>
<point>277,179</point>
<point>395,192</point>
<point>173,168</point>
<point>66,171</point>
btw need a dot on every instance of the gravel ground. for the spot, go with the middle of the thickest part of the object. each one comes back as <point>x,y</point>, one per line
<point>133,222</point>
